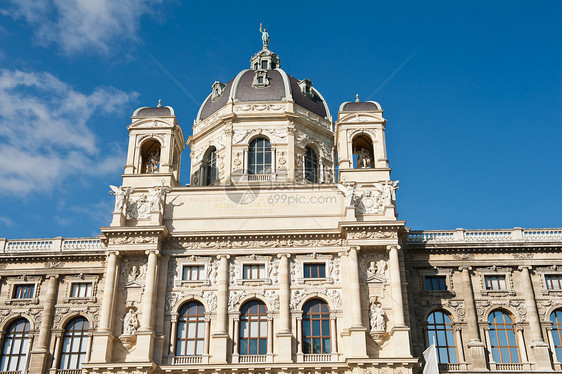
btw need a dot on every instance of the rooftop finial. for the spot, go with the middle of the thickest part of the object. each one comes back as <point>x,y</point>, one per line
<point>264,37</point>
<point>159,103</point>
<point>356,98</point>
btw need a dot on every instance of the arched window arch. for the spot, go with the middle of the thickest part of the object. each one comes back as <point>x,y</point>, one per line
<point>556,319</point>
<point>316,333</point>
<point>362,146</point>
<point>259,157</point>
<point>503,339</point>
<point>74,348</point>
<point>191,330</point>
<point>209,167</point>
<point>311,165</point>
<point>440,330</point>
<point>253,328</point>
<point>150,157</point>
<point>15,346</point>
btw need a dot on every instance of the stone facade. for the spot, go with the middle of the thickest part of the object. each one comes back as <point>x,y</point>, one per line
<point>274,260</point>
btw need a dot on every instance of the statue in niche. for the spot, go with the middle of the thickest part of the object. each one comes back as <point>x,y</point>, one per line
<point>376,269</point>
<point>130,322</point>
<point>134,273</point>
<point>121,194</point>
<point>264,37</point>
<point>377,317</point>
<point>389,192</point>
<point>364,158</point>
<point>152,163</point>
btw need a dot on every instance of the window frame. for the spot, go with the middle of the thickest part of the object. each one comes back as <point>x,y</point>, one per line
<point>83,336</point>
<point>18,285</point>
<point>191,319</point>
<point>202,271</point>
<point>495,272</point>
<point>559,281</point>
<point>434,277</point>
<point>311,165</point>
<point>79,283</point>
<point>319,264</point>
<point>556,328</point>
<point>249,319</point>
<point>449,331</point>
<point>260,266</point>
<point>24,338</point>
<point>254,153</point>
<point>308,333</point>
<point>506,328</point>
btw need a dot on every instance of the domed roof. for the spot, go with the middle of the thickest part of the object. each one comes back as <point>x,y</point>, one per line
<point>359,106</point>
<point>264,82</point>
<point>158,111</point>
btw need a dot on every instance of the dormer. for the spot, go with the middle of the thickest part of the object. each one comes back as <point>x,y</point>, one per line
<point>264,60</point>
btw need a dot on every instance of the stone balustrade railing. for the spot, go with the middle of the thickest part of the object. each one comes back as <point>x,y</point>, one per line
<point>58,244</point>
<point>517,234</point>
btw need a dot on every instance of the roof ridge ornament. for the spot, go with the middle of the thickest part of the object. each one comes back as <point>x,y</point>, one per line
<point>357,98</point>
<point>264,37</point>
<point>159,103</point>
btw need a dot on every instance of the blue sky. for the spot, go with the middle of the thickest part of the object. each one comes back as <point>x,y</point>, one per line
<point>472,92</point>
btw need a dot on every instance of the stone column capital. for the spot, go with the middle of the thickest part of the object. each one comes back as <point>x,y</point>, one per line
<point>392,246</point>
<point>524,267</point>
<point>355,248</point>
<point>149,251</point>
<point>223,256</point>
<point>281,255</point>
<point>465,267</point>
<point>52,276</point>
<point>113,252</point>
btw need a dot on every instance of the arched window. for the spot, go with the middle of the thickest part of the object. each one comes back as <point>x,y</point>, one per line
<point>259,157</point>
<point>74,344</point>
<point>150,153</point>
<point>502,338</point>
<point>253,328</point>
<point>316,327</point>
<point>362,152</point>
<point>210,167</point>
<point>440,331</point>
<point>311,165</point>
<point>191,330</point>
<point>556,319</point>
<point>16,346</point>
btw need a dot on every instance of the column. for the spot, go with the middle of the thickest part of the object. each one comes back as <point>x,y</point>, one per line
<point>145,334</point>
<point>269,335</point>
<point>56,356</point>
<point>299,339</point>
<point>220,336</point>
<point>521,341</point>
<point>291,152</point>
<point>354,287</point>
<point>109,291</point>
<point>334,336</point>
<point>40,353</point>
<point>400,333</point>
<point>207,336</point>
<point>284,334</point>
<point>458,338</point>
<point>538,345</point>
<point>245,155</point>
<point>148,300</point>
<point>357,332</point>
<point>103,338</point>
<point>475,345</point>
<point>396,285</point>
<point>236,334</point>
<point>173,334</point>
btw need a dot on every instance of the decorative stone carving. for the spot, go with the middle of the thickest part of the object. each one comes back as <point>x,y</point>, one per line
<point>211,299</point>
<point>335,296</point>
<point>139,207</point>
<point>377,317</point>
<point>234,299</point>
<point>257,242</point>
<point>296,298</point>
<point>372,235</point>
<point>121,196</point>
<point>377,270</point>
<point>133,272</point>
<point>276,136</point>
<point>157,198</point>
<point>353,132</point>
<point>273,298</point>
<point>130,322</point>
<point>171,300</point>
<point>212,272</point>
<point>334,270</point>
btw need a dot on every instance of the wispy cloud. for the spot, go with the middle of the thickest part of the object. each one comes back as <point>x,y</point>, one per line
<point>82,25</point>
<point>45,134</point>
<point>6,221</point>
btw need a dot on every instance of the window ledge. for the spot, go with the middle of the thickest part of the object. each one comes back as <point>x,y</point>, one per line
<point>194,283</point>
<point>78,300</point>
<point>34,300</point>
<point>254,281</point>
<point>497,292</point>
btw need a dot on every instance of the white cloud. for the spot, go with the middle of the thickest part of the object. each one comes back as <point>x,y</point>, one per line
<point>82,25</point>
<point>45,134</point>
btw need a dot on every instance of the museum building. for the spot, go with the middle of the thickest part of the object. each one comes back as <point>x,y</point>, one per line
<point>283,256</point>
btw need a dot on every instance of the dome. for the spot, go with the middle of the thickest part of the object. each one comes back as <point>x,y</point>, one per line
<point>264,82</point>
<point>359,106</point>
<point>159,111</point>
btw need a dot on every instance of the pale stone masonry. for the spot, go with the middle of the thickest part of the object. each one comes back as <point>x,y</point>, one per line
<point>284,255</point>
